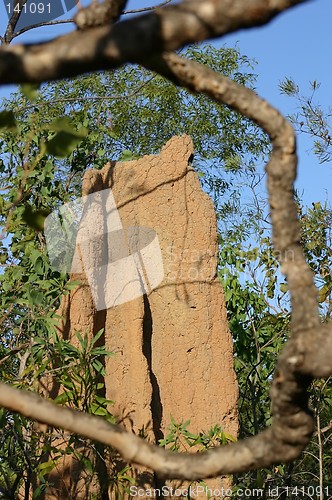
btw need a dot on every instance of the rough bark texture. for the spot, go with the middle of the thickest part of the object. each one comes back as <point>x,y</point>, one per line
<point>133,40</point>
<point>174,353</point>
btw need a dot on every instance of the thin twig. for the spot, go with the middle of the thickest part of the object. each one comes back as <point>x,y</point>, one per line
<point>146,9</point>
<point>41,25</point>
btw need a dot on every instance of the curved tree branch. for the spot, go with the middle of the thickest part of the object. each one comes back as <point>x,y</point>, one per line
<point>134,40</point>
<point>293,423</point>
<point>40,25</point>
<point>14,18</point>
<point>147,9</point>
<point>11,33</point>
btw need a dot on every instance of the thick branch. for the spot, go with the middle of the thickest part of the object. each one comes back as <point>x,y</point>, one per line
<point>134,40</point>
<point>292,421</point>
<point>236,457</point>
<point>99,14</point>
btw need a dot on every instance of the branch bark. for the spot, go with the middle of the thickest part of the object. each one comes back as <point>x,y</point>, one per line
<point>14,18</point>
<point>99,14</point>
<point>134,40</point>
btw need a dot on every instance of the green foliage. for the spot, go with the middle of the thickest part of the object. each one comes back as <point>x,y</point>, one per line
<point>318,249</point>
<point>310,117</point>
<point>7,120</point>
<point>80,371</point>
<point>35,218</point>
<point>65,138</point>
<point>179,438</point>
<point>120,483</point>
<point>258,323</point>
<point>288,87</point>
<point>120,114</point>
<point>258,309</point>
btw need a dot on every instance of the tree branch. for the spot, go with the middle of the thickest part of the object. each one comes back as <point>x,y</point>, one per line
<point>67,21</point>
<point>147,9</point>
<point>40,25</point>
<point>14,18</point>
<point>167,28</point>
<point>99,14</point>
<point>236,457</point>
<point>293,423</point>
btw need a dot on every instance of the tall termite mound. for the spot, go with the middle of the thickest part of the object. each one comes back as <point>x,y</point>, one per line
<point>173,353</point>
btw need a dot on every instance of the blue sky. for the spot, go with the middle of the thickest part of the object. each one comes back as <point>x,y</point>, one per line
<point>296,44</point>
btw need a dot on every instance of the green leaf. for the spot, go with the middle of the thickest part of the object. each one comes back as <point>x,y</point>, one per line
<point>30,90</point>
<point>97,337</point>
<point>98,410</point>
<point>39,490</point>
<point>65,124</point>
<point>36,297</point>
<point>62,398</point>
<point>45,467</point>
<point>87,464</point>
<point>64,143</point>
<point>126,155</point>
<point>7,120</point>
<point>7,286</point>
<point>35,218</point>
<point>71,285</point>
<point>288,87</point>
<point>98,366</point>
